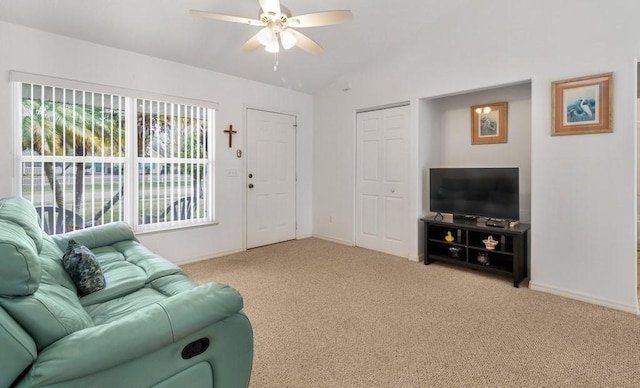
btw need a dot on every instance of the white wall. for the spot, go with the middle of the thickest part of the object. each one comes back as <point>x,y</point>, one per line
<point>33,51</point>
<point>583,198</point>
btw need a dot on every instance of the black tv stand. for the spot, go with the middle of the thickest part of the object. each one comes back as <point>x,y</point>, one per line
<point>460,243</point>
<point>494,223</point>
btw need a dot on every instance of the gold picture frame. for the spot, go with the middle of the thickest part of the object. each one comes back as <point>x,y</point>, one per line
<point>489,123</point>
<point>582,105</point>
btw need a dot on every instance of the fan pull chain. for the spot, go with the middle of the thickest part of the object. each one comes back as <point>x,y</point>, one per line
<point>275,63</point>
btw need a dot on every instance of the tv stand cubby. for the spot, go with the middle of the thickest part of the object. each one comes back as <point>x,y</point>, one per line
<point>508,258</point>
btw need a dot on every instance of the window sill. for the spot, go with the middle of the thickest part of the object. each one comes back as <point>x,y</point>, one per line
<point>173,227</point>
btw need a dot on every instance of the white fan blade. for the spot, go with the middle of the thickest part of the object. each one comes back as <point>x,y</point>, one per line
<point>320,19</point>
<point>227,18</point>
<point>305,42</point>
<point>251,44</point>
<point>270,7</point>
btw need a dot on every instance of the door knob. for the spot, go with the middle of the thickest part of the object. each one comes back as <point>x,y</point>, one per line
<point>251,185</point>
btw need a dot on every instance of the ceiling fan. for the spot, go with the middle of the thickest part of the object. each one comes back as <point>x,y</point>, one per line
<point>276,22</point>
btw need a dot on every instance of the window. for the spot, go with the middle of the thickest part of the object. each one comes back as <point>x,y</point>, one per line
<point>172,161</point>
<point>89,158</point>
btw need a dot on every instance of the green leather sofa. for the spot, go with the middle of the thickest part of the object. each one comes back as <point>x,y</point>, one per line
<point>151,326</point>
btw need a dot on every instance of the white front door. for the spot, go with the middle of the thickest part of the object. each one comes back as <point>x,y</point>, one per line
<point>382,180</point>
<point>271,178</point>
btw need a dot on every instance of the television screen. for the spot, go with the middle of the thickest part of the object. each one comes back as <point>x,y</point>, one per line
<point>478,192</point>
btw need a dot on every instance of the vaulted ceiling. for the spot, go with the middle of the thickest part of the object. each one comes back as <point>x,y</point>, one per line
<point>165,29</point>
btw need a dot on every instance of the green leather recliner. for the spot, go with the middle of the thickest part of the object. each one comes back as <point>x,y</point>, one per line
<point>151,326</point>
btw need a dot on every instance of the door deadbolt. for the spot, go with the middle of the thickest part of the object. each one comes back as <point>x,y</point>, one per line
<point>250,176</point>
<point>251,185</point>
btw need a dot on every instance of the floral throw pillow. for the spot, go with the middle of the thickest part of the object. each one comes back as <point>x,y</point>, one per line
<point>83,268</point>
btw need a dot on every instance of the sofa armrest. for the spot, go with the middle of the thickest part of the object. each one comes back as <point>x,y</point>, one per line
<point>102,347</point>
<point>200,307</point>
<point>17,349</point>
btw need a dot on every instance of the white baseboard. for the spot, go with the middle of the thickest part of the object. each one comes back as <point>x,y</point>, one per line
<point>335,240</point>
<point>584,298</point>
<point>213,256</point>
<point>231,252</point>
<point>419,258</point>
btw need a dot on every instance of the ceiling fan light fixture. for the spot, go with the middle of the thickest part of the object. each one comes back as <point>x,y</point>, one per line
<point>287,39</point>
<point>272,47</point>
<point>266,36</point>
<point>274,20</point>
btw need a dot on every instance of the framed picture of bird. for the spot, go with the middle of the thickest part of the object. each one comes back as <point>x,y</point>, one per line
<point>489,123</point>
<point>582,105</point>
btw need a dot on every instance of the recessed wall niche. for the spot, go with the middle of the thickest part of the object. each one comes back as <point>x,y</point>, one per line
<point>445,136</point>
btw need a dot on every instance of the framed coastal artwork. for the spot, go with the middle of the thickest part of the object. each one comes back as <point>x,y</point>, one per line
<point>582,105</point>
<point>489,123</point>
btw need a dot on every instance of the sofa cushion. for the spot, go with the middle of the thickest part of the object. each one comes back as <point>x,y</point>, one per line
<point>123,306</point>
<point>173,284</point>
<point>154,292</point>
<point>20,266</point>
<point>51,262</point>
<point>153,265</point>
<point>49,314</point>
<point>83,267</point>
<point>121,278</point>
<point>127,267</point>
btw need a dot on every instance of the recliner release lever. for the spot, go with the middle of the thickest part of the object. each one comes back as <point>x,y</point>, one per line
<point>195,348</point>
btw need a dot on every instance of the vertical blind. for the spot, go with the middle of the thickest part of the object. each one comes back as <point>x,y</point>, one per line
<point>172,161</point>
<point>73,155</point>
<point>90,158</point>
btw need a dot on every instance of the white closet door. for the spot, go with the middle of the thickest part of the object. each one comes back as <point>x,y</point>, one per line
<point>382,180</point>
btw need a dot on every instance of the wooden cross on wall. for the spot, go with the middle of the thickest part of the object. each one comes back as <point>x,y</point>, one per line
<point>230,131</point>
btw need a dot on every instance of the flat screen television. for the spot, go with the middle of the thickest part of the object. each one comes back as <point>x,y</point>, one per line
<point>475,192</point>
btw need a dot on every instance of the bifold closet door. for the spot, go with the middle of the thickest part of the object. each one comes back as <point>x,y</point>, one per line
<point>382,180</point>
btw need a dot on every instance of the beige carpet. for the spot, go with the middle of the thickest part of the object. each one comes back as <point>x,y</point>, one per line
<point>327,315</point>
